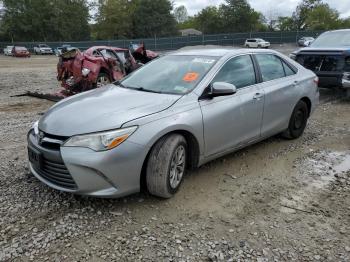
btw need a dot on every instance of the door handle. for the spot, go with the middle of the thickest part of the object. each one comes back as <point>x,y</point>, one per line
<point>257,96</point>
<point>295,83</point>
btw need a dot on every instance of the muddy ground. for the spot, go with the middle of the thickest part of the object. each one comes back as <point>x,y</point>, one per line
<point>278,200</point>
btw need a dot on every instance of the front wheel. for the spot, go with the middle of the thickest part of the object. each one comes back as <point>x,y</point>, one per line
<point>102,80</point>
<point>298,121</point>
<point>166,166</point>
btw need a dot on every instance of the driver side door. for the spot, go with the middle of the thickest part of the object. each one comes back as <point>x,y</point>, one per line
<point>230,121</point>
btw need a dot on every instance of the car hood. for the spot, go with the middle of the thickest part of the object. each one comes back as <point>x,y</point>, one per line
<point>102,109</point>
<point>323,50</point>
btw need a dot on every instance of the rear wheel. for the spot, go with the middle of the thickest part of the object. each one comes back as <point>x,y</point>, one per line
<point>298,121</point>
<point>102,80</point>
<point>166,166</point>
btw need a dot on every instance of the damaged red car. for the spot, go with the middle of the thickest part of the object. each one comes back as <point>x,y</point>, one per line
<point>98,66</point>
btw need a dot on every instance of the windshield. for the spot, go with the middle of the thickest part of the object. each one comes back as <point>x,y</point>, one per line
<point>333,39</point>
<point>19,48</point>
<point>172,74</point>
<point>43,46</point>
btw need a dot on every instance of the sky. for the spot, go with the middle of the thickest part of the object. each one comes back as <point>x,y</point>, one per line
<point>267,7</point>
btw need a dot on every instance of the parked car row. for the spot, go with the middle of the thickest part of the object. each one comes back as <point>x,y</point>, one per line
<point>41,49</point>
<point>16,51</point>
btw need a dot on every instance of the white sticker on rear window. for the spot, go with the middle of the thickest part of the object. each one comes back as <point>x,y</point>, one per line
<point>203,60</point>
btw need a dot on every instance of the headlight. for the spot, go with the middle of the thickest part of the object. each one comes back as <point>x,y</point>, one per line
<point>35,127</point>
<point>85,71</point>
<point>101,141</point>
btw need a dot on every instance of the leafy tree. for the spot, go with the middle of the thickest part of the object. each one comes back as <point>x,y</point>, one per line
<point>153,18</point>
<point>286,23</point>
<point>345,23</point>
<point>239,16</point>
<point>191,22</point>
<point>46,20</point>
<point>209,20</point>
<point>322,17</point>
<point>181,14</point>
<point>302,11</point>
<point>114,19</point>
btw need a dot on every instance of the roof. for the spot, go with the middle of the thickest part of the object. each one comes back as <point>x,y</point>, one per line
<point>219,52</point>
<point>190,30</point>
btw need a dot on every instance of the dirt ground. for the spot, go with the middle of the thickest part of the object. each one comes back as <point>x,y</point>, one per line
<point>278,200</point>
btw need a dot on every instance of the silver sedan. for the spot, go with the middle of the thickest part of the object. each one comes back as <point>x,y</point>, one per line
<point>175,113</point>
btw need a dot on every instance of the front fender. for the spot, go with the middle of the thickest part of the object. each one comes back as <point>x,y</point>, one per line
<point>189,120</point>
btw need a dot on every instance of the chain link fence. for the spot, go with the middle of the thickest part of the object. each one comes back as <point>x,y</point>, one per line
<point>172,43</point>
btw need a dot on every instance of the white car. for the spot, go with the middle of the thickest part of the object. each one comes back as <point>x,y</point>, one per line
<point>43,49</point>
<point>256,43</point>
<point>8,50</point>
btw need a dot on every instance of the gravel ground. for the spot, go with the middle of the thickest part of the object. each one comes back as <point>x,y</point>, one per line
<point>278,200</point>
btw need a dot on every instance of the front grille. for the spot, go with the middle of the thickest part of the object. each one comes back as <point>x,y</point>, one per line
<point>51,141</point>
<point>56,173</point>
<point>49,164</point>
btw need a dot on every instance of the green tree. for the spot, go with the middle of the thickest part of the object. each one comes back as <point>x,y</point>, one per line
<point>181,14</point>
<point>286,23</point>
<point>239,16</point>
<point>322,17</point>
<point>302,12</point>
<point>209,20</point>
<point>46,20</point>
<point>153,18</point>
<point>114,19</point>
<point>191,22</point>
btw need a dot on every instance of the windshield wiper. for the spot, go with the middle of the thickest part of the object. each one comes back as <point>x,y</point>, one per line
<point>118,83</point>
<point>140,88</point>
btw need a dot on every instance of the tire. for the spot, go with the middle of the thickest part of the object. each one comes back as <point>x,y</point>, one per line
<point>102,79</point>
<point>163,178</point>
<point>297,122</point>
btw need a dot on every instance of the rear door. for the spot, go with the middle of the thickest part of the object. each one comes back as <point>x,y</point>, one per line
<point>281,92</point>
<point>233,120</point>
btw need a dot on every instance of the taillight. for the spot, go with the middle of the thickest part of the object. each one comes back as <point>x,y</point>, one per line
<point>316,80</point>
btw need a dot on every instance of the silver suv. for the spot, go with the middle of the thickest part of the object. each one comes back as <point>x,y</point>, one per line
<point>177,112</point>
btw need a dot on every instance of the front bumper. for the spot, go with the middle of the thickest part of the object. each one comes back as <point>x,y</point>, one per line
<point>113,173</point>
<point>334,79</point>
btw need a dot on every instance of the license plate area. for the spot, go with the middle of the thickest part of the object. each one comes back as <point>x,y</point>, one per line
<point>35,157</point>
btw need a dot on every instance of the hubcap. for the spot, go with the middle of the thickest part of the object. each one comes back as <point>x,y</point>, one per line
<point>299,118</point>
<point>102,81</point>
<point>177,166</point>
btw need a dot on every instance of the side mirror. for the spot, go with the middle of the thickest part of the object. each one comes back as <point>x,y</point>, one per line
<point>222,89</point>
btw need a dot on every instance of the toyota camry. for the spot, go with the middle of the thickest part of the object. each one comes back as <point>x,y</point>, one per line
<point>176,113</point>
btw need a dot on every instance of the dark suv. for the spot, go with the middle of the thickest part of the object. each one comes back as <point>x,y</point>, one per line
<point>329,57</point>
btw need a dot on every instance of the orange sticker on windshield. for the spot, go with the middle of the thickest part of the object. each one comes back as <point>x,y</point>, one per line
<point>190,77</point>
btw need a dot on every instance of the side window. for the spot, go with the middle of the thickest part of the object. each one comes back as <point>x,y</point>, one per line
<point>287,69</point>
<point>270,66</point>
<point>238,71</point>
